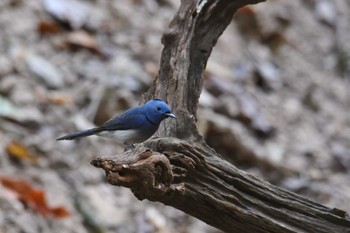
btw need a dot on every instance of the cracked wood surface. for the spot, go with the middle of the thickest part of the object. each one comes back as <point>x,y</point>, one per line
<point>194,179</point>
<point>180,170</point>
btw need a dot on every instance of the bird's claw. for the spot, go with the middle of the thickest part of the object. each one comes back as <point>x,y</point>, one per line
<point>128,146</point>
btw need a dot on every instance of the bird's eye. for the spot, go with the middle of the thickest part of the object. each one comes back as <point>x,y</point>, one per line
<point>159,108</point>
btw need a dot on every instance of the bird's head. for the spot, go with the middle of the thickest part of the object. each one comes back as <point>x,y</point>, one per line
<point>156,110</point>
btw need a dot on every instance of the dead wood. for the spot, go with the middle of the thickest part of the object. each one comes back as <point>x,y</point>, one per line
<point>180,170</point>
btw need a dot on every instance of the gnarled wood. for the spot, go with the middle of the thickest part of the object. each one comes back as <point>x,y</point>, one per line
<point>180,170</point>
<point>194,179</point>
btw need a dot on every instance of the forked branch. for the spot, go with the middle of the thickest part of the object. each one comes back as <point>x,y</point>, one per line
<point>180,170</point>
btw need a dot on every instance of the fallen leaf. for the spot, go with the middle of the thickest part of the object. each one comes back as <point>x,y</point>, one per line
<point>33,198</point>
<point>7,109</point>
<point>20,151</point>
<point>275,40</point>
<point>82,39</point>
<point>247,22</point>
<point>72,12</point>
<point>60,99</point>
<point>48,28</point>
<point>326,12</point>
<point>268,76</point>
<point>45,70</point>
<point>246,10</point>
<point>26,117</point>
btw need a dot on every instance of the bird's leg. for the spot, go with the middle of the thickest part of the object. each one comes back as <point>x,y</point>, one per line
<point>128,146</point>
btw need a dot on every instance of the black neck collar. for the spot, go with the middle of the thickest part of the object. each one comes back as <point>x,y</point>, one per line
<point>150,121</point>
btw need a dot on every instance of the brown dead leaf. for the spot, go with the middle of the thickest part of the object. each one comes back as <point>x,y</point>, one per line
<point>48,28</point>
<point>81,39</point>
<point>33,198</point>
<point>275,40</point>
<point>58,98</point>
<point>247,22</point>
<point>246,10</point>
<point>19,151</point>
<point>61,99</point>
<point>55,97</point>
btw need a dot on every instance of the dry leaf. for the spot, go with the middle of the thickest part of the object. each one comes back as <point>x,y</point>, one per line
<point>60,99</point>
<point>48,28</point>
<point>247,22</point>
<point>275,40</point>
<point>44,69</point>
<point>20,151</point>
<point>82,39</point>
<point>74,13</point>
<point>33,198</point>
<point>246,10</point>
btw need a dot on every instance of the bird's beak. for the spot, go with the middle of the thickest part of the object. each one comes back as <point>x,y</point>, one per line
<point>168,114</point>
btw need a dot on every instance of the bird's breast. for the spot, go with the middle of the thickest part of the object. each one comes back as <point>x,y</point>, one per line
<point>130,136</point>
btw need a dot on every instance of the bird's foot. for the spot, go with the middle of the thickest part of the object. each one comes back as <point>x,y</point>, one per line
<point>128,146</point>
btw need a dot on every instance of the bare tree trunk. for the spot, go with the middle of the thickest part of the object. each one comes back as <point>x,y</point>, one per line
<point>180,170</point>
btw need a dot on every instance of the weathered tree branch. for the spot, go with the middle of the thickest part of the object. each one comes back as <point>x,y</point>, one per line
<point>194,179</point>
<point>180,170</point>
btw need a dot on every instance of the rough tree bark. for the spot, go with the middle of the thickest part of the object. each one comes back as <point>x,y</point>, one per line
<point>180,170</point>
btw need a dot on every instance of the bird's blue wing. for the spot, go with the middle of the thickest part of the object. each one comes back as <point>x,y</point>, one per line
<point>131,119</point>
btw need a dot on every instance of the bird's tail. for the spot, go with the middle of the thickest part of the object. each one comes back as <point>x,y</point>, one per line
<point>78,135</point>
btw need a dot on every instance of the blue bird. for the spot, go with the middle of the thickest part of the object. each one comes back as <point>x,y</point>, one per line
<point>132,126</point>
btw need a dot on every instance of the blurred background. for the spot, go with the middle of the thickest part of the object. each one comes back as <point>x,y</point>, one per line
<point>275,103</point>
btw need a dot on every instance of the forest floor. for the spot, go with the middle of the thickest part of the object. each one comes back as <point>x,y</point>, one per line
<point>276,90</point>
